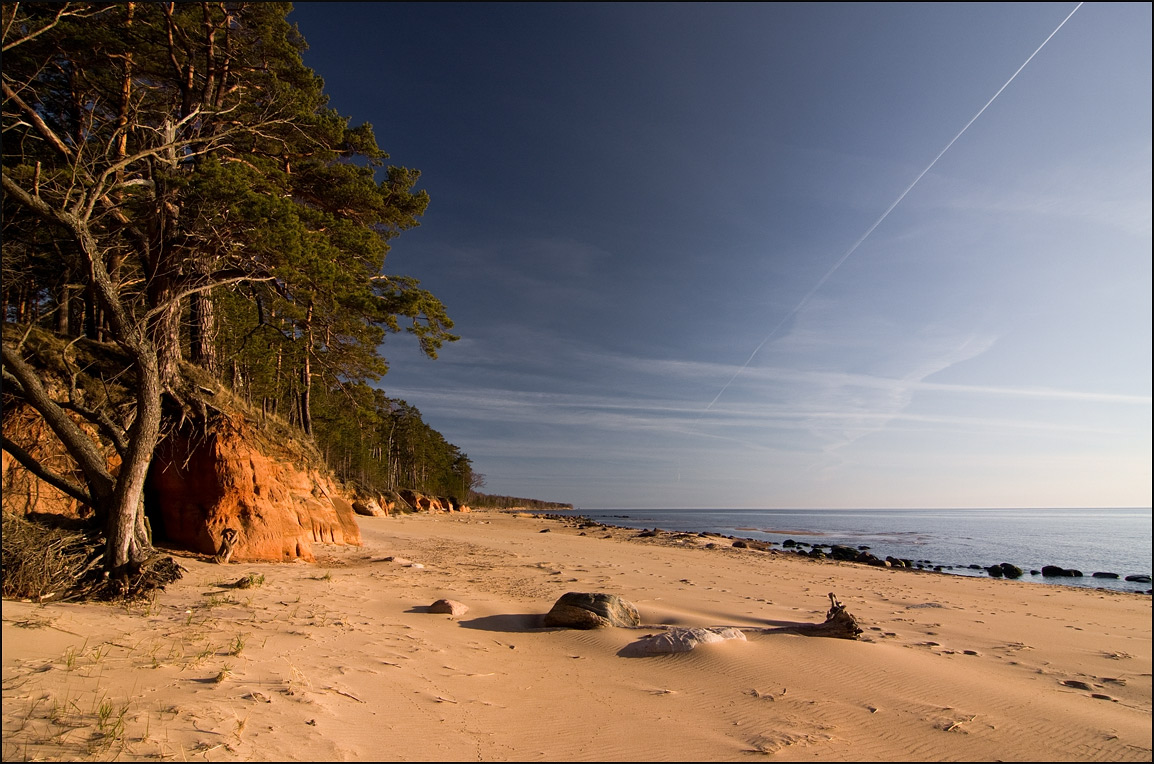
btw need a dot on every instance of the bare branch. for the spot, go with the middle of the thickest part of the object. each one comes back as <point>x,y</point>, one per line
<point>111,430</point>
<point>62,13</point>
<point>78,444</point>
<point>176,298</point>
<point>38,122</point>
<point>34,466</point>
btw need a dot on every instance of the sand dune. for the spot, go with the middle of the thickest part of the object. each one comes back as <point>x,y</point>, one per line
<point>341,660</point>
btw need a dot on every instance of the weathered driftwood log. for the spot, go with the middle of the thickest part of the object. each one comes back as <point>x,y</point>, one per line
<point>228,539</point>
<point>838,624</point>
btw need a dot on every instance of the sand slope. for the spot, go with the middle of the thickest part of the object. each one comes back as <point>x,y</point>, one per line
<point>341,660</point>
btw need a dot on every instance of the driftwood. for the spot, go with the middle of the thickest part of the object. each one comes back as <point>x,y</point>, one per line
<point>228,539</point>
<point>838,624</point>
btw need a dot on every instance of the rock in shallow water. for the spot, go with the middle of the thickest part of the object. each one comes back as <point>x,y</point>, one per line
<point>1054,571</point>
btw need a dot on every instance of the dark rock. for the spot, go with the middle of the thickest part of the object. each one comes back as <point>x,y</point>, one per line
<point>843,553</point>
<point>1103,574</point>
<point>995,571</point>
<point>580,610</point>
<point>1010,571</point>
<point>1055,571</point>
<point>1139,578</point>
<point>788,543</point>
<point>739,544</point>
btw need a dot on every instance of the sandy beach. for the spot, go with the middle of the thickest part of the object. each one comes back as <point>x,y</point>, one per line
<point>342,660</point>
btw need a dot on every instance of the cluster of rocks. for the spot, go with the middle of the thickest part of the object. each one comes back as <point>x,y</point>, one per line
<point>860,554</point>
<point>1053,571</point>
<point>1004,570</point>
<point>404,501</point>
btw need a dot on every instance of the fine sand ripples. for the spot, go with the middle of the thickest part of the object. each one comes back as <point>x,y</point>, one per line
<point>343,660</point>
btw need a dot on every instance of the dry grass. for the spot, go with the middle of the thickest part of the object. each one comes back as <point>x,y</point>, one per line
<point>46,559</point>
<point>40,561</point>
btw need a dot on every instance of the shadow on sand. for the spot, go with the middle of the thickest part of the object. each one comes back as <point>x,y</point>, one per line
<point>509,622</point>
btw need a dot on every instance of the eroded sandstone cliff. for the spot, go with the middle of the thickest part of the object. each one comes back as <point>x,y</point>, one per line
<point>230,477</point>
<point>218,467</point>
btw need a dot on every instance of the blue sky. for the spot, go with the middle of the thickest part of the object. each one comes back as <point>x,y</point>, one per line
<point>638,214</point>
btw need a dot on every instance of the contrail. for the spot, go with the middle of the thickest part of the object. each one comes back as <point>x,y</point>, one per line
<point>884,215</point>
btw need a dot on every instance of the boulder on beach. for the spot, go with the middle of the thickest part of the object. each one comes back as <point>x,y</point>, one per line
<point>369,508</point>
<point>1054,571</point>
<point>592,610</point>
<point>449,607</point>
<point>1104,574</point>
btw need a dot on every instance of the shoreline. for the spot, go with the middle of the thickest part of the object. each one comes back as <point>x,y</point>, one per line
<point>342,660</point>
<point>899,554</point>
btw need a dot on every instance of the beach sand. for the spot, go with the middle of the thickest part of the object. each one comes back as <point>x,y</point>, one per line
<point>342,660</point>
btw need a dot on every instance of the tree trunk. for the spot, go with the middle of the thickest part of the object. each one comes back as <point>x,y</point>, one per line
<point>63,309</point>
<point>202,333</point>
<point>307,377</point>
<point>306,397</point>
<point>166,339</point>
<point>128,541</point>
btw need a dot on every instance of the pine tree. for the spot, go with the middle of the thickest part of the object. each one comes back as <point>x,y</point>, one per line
<point>203,167</point>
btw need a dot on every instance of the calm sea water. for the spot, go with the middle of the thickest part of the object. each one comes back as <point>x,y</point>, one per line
<point>1089,540</point>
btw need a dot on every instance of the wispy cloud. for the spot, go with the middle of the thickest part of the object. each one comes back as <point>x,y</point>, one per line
<point>1112,192</point>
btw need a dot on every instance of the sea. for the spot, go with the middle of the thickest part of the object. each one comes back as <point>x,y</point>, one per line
<point>1090,540</point>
